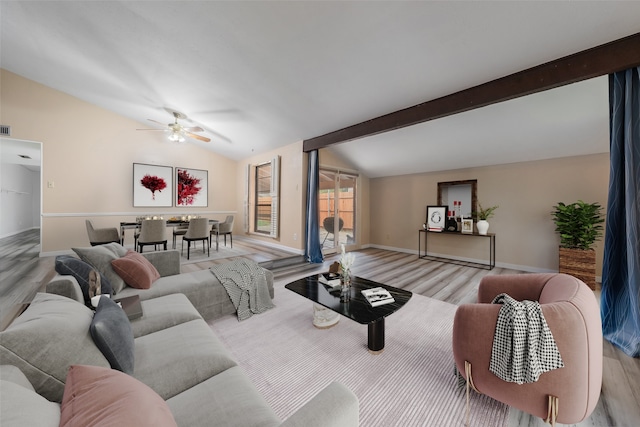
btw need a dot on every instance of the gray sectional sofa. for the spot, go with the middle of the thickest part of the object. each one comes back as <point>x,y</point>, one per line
<point>176,355</point>
<point>201,287</point>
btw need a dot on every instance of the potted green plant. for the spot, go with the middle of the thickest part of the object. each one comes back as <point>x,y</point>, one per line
<point>481,216</point>
<point>579,225</point>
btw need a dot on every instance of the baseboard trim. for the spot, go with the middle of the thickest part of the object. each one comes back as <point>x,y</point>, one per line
<point>527,268</point>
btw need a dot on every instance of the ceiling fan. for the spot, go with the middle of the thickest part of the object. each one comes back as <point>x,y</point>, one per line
<point>178,133</point>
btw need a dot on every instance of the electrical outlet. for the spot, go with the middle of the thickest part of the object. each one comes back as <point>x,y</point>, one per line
<point>295,236</point>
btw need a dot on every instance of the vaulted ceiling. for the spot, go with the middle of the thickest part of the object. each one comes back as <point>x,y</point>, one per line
<point>259,75</point>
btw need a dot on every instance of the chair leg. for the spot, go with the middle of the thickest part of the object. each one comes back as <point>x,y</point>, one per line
<point>188,248</point>
<point>208,246</point>
<point>165,245</point>
<point>231,239</point>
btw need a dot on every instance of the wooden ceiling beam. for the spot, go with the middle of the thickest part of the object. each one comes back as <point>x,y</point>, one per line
<point>598,61</point>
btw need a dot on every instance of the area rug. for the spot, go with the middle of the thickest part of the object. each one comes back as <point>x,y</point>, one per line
<point>411,383</point>
<point>198,256</point>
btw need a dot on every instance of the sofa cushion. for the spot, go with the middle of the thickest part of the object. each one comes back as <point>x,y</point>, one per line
<point>175,359</point>
<point>111,331</point>
<point>51,334</point>
<point>104,397</point>
<point>85,275</point>
<point>135,270</point>
<point>232,397</point>
<point>22,406</point>
<point>162,313</point>
<point>100,257</point>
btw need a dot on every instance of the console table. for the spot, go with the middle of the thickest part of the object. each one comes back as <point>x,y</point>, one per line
<point>492,249</point>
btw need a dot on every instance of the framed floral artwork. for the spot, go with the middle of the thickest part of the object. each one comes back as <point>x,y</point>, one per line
<point>191,187</point>
<point>152,185</point>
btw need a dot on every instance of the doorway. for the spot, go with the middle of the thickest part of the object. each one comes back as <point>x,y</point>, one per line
<point>337,210</point>
<point>21,190</point>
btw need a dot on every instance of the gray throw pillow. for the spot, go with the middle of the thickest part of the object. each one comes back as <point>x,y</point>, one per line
<point>111,331</point>
<point>90,280</point>
<point>100,258</point>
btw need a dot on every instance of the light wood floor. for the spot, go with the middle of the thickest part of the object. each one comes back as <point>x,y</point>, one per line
<point>22,274</point>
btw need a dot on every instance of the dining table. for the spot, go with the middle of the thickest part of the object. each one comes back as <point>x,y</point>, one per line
<point>171,222</point>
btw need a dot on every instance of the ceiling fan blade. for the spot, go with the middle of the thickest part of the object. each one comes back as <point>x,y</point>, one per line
<point>193,129</point>
<point>201,138</point>
<point>162,124</point>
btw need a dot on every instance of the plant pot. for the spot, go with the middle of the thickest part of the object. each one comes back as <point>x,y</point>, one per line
<point>483,226</point>
<point>579,263</point>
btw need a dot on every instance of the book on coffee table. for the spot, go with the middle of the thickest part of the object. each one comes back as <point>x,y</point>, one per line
<point>330,279</point>
<point>377,296</point>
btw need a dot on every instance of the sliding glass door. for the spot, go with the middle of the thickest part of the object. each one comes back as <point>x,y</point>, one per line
<point>337,206</point>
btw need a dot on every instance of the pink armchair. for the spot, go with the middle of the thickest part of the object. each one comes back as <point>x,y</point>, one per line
<point>573,315</point>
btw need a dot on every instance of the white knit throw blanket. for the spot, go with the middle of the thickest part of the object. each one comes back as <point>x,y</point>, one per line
<point>523,346</point>
<point>246,285</point>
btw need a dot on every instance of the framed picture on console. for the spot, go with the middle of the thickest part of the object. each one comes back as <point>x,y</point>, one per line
<point>152,185</point>
<point>436,217</point>
<point>192,187</point>
<point>467,225</point>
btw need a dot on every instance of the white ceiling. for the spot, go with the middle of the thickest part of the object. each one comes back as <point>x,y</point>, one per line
<point>259,75</point>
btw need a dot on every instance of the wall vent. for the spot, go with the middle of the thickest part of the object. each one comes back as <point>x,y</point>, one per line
<point>5,130</point>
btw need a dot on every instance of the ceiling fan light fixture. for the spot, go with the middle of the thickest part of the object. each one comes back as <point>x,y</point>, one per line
<point>176,136</point>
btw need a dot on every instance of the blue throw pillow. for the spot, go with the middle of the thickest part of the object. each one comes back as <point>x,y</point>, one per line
<point>111,332</point>
<point>90,280</point>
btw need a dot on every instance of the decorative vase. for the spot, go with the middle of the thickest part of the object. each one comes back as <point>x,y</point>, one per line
<point>483,226</point>
<point>345,286</point>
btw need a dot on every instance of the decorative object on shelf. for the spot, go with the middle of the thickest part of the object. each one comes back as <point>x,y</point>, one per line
<point>467,225</point>
<point>579,227</point>
<point>152,185</point>
<point>452,222</point>
<point>191,187</point>
<point>436,217</point>
<point>482,215</point>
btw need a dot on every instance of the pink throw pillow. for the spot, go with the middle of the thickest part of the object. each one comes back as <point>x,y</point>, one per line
<point>96,396</point>
<point>135,270</point>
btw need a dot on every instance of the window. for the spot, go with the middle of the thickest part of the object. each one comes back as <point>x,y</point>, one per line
<point>266,197</point>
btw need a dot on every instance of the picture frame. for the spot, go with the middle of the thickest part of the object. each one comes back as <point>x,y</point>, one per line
<point>436,217</point>
<point>467,225</point>
<point>192,187</point>
<point>152,185</point>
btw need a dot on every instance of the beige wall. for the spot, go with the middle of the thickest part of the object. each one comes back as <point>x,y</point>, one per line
<point>526,193</point>
<point>293,178</point>
<point>88,154</point>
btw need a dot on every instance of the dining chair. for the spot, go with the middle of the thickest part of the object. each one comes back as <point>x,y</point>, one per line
<point>223,228</point>
<point>152,232</point>
<point>101,236</point>
<point>180,230</point>
<point>198,230</point>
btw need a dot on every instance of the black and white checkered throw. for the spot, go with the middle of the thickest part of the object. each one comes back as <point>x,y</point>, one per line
<point>523,346</point>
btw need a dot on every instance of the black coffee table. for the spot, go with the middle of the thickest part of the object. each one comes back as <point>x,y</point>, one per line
<point>356,308</point>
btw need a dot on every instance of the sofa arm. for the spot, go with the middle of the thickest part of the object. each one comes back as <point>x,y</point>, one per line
<point>519,286</point>
<point>166,262</point>
<point>67,286</point>
<point>335,405</point>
